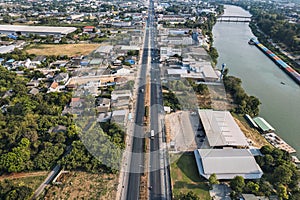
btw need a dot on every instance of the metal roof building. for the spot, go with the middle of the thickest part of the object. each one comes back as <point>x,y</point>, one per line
<point>221,129</point>
<point>39,30</point>
<point>104,49</point>
<point>130,48</point>
<point>7,49</point>
<point>227,163</point>
<point>263,124</point>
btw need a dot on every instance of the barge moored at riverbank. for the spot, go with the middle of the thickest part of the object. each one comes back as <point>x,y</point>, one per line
<point>285,67</point>
<point>268,132</point>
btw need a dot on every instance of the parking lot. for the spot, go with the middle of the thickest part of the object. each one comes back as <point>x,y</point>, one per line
<point>186,132</point>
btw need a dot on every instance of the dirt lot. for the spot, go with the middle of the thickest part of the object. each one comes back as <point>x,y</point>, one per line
<point>257,139</point>
<point>83,185</point>
<point>182,130</point>
<point>62,49</point>
<point>23,175</point>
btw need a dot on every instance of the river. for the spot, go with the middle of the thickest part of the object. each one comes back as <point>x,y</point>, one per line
<point>260,77</point>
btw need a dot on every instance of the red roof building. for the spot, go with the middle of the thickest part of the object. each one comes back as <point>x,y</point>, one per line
<point>88,29</point>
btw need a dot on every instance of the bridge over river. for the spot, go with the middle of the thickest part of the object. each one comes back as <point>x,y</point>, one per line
<point>233,18</point>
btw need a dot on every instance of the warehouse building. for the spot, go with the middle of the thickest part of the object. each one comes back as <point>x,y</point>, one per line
<point>227,163</point>
<point>36,30</point>
<point>221,129</point>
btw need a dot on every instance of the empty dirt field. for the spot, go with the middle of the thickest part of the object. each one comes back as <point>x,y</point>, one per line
<point>62,49</point>
<point>83,185</point>
<point>183,129</point>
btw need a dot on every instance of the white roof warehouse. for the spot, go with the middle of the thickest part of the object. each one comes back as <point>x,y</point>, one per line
<point>38,30</point>
<point>221,129</point>
<point>227,163</point>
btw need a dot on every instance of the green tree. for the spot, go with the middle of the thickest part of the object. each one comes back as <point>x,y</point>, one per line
<point>282,192</point>
<point>187,196</point>
<point>213,179</point>
<point>16,160</point>
<point>283,175</point>
<point>252,187</point>
<point>265,188</point>
<point>237,184</point>
<point>267,149</point>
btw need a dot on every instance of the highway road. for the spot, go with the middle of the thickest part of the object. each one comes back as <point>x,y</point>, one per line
<point>137,155</point>
<point>159,186</point>
<point>155,172</point>
<point>159,171</point>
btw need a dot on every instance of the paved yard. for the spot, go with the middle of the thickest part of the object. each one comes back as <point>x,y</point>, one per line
<point>186,131</point>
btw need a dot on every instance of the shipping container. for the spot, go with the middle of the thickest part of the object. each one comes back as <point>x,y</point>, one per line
<point>289,69</point>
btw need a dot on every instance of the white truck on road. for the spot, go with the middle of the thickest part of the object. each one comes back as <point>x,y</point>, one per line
<point>152,134</point>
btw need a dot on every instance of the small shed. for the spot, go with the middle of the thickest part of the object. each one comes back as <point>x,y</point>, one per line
<point>263,124</point>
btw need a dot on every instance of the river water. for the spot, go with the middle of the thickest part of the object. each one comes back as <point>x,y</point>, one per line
<point>260,77</point>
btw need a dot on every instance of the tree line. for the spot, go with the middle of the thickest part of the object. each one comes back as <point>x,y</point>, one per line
<point>280,177</point>
<point>245,104</point>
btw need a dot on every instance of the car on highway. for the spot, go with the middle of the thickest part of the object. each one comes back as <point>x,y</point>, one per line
<point>152,134</point>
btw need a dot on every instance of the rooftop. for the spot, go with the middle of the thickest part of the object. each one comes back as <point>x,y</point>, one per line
<point>7,49</point>
<point>221,129</point>
<point>39,29</point>
<point>227,163</point>
<point>104,49</point>
<point>130,48</point>
<point>263,124</point>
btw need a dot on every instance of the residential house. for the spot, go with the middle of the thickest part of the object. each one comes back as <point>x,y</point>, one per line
<point>104,117</point>
<point>122,71</point>
<point>121,95</point>
<point>120,117</point>
<point>102,104</point>
<point>59,63</point>
<point>61,78</point>
<point>76,102</point>
<point>33,83</point>
<point>88,29</point>
<point>34,91</point>
<point>57,129</point>
<point>53,87</point>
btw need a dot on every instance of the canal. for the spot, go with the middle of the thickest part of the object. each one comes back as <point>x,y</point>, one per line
<point>260,77</point>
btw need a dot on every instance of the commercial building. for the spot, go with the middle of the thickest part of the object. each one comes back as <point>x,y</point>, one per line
<point>221,130</point>
<point>36,30</point>
<point>227,163</point>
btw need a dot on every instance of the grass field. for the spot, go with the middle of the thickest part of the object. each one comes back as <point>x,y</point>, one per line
<point>83,185</point>
<point>62,49</point>
<point>31,181</point>
<point>185,176</point>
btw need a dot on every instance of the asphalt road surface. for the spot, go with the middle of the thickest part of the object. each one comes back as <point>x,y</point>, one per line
<point>137,157</point>
<point>156,180</point>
